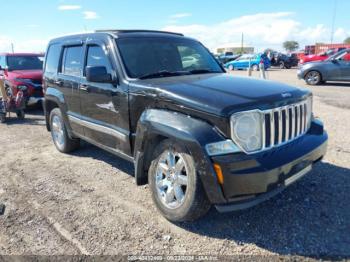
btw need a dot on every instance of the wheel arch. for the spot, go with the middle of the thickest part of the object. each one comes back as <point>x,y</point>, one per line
<point>156,125</point>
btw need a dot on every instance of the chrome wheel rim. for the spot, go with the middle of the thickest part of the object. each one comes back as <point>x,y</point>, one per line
<point>171,179</point>
<point>57,131</point>
<point>313,78</point>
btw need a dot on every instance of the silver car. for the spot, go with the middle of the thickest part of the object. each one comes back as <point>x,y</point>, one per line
<point>335,68</point>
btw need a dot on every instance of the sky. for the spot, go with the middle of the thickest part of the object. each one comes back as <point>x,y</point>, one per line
<point>30,24</point>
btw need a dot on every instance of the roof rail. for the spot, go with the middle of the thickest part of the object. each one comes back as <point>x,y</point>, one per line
<point>117,31</point>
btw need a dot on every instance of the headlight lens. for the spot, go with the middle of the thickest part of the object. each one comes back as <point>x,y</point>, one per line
<point>246,130</point>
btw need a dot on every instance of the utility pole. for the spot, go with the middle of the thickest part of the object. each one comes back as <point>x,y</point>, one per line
<point>12,48</point>
<point>333,20</point>
<point>242,44</point>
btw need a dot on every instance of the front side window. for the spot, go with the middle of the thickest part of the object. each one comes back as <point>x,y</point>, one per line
<point>96,56</point>
<point>144,56</point>
<point>32,62</point>
<point>72,57</point>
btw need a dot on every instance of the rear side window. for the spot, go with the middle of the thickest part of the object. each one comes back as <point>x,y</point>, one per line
<point>52,58</point>
<point>97,57</point>
<point>71,64</point>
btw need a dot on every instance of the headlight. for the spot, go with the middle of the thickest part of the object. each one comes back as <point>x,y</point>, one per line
<point>221,148</point>
<point>246,130</point>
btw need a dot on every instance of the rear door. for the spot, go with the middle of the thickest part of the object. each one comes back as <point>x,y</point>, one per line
<point>68,80</point>
<point>104,106</point>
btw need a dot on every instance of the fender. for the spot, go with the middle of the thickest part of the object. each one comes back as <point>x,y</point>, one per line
<point>193,133</point>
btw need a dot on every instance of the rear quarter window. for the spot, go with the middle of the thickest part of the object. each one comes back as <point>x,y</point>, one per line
<point>52,58</point>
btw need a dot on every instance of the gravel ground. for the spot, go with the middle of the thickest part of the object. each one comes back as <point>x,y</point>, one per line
<point>88,203</point>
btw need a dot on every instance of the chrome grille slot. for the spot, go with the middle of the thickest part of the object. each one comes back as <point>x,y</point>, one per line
<point>283,124</point>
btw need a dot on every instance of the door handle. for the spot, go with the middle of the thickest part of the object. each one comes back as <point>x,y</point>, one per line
<point>84,88</point>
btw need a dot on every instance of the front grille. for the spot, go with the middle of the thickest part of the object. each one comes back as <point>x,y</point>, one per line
<point>283,124</point>
<point>36,81</point>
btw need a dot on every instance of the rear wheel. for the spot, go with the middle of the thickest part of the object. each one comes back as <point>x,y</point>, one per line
<point>282,65</point>
<point>20,114</point>
<point>59,133</point>
<point>175,185</point>
<point>313,78</point>
<point>2,118</point>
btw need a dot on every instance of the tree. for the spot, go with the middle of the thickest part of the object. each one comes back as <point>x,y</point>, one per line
<point>291,45</point>
<point>347,40</point>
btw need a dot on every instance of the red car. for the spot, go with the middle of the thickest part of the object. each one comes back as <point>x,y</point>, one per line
<point>23,71</point>
<point>319,57</point>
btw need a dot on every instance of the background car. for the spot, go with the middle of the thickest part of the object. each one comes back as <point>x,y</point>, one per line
<point>281,60</point>
<point>321,56</point>
<point>336,68</point>
<point>244,61</point>
<point>225,58</point>
<point>23,71</point>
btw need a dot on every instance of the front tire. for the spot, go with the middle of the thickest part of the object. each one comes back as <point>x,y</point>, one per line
<point>175,186</point>
<point>231,68</point>
<point>59,134</point>
<point>313,78</point>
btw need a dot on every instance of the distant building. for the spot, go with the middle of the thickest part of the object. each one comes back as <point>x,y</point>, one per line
<point>320,48</point>
<point>236,49</point>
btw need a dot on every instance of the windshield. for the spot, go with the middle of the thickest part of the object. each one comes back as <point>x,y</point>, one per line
<point>150,56</point>
<point>25,62</point>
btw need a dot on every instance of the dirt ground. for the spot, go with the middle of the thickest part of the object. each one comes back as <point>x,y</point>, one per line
<point>88,203</point>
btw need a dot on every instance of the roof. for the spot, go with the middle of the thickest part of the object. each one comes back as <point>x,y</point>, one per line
<point>134,31</point>
<point>117,34</point>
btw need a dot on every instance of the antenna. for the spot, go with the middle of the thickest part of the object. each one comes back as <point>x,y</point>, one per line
<point>333,20</point>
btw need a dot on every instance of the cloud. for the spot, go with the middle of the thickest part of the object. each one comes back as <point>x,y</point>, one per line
<point>27,45</point>
<point>69,7</point>
<point>260,30</point>
<point>90,15</point>
<point>180,15</point>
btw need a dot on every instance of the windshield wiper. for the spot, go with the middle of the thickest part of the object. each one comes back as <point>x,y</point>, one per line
<point>202,71</point>
<point>163,73</point>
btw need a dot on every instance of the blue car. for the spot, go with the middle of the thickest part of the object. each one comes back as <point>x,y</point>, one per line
<point>253,59</point>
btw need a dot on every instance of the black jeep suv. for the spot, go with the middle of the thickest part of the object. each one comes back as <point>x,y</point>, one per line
<point>196,135</point>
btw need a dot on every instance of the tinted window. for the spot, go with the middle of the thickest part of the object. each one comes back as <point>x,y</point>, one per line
<point>72,61</point>
<point>142,56</point>
<point>24,62</point>
<point>97,57</point>
<point>52,58</point>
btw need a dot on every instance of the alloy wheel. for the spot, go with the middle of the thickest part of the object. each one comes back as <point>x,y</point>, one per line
<point>171,179</point>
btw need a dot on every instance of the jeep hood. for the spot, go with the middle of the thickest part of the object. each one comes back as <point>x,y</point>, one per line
<point>27,74</point>
<point>223,94</point>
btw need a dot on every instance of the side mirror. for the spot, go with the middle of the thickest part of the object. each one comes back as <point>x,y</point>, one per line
<point>335,61</point>
<point>98,74</point>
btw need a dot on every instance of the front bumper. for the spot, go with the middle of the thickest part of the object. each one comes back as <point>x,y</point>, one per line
<point>252,179</point>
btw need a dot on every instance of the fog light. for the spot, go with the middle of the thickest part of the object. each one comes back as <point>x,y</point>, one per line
<point>221,148</point>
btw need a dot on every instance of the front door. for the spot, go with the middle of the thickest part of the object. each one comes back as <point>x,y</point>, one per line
<point>104,106</point>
